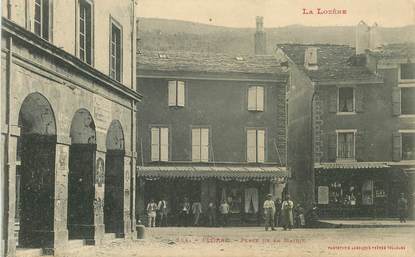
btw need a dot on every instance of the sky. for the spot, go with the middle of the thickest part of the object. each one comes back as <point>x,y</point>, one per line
<point>276,13</point>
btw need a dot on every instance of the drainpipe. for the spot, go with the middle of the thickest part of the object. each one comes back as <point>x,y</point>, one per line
<point>9,9</point>
<point>312,142</point>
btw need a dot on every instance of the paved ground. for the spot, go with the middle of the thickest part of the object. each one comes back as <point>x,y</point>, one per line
<point>254,241</point>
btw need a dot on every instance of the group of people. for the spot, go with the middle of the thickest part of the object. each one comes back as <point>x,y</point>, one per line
<point>283,214</point>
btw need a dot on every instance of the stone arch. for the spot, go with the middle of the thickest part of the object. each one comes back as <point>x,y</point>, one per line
<point>35,177</point>
<point>81,177</point>
<point>114,179</point>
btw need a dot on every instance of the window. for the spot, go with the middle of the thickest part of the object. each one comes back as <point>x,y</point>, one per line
<point>176,93</point>
<point>115,52</point>
<point>255,145</point>
<point>408,146</point>
<point>256,98</point>
<point>41,19</point>
<point>407,100</point>
<point>200,144</point>
<point>85,31</point>
<point>346,145</point>
<point>159,144</point>
<point>346,99</point>
<point>407,71</point>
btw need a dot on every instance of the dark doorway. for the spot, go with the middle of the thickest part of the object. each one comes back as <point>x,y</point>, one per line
<point>81,189</point>
<point>35,176</point>
<point>114,180</point>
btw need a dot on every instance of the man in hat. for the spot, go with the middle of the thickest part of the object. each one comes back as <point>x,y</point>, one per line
<point>402,208</point>
<point>269,212</point>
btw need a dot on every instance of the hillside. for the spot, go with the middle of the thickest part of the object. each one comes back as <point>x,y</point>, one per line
<point>161,34</point>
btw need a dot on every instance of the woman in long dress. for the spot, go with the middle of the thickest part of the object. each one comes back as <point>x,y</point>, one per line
<point>287,213</point>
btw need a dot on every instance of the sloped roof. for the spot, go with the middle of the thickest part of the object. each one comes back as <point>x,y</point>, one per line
<point>335,63</point>
<point>403,50</point>
<point>175,61</point>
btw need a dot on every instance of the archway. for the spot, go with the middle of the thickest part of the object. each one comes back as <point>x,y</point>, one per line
<point>81,189</point>
<point>114,179</point>
<point>35,176</point>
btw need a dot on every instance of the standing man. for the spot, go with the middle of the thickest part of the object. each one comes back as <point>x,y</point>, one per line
<point>196,210</point>
<point>151,213</point>
<point>287,213</point>
<point>402,208</point>
<point>269,212</point>
<point>185,211</point>
<point>277,219</point>
<point>163,211</point>
<point>224,212</point>
<point>211,212</point>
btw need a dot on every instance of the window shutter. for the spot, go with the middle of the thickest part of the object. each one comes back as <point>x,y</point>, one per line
<point>196,144</point>
<point>359,94</point>
<point>260,98</point>
<point>397,146</point>
<point>332,91</point>
<point>261,145</point>
<point>154,144</point>
<point>251,145</point>
<point>180,93</point>
<point>172,93</point>
<point>204,145</point>
<point>332,146</point>
<point>360,146</point>
<point>252,99</point>
<point>396,101</point>
<point>164,144</point>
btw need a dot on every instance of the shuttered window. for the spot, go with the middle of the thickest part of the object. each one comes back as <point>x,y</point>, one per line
<point>346,145</point>
<point>115,51</point>
<point>255,145</point>
<point>200,144</point>
<point>396,101</point>
<point>256,98</point>
<point>159,144</point>
<point>176,93</point>
<point>408,146</point>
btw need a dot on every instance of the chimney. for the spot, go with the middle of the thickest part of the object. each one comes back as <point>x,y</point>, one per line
<point>310,58</point>
<point>260,37</point>
<point>362,37</point>
<point>374,37</point>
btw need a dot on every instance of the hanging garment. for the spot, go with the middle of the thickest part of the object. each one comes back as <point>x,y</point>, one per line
<point>251,195</point>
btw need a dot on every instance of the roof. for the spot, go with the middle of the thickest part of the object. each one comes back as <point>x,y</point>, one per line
<point>334,63</point>
<point>239,173</point>
<point>403,50</point>
<point>351,165</point>
<point>207,62</point>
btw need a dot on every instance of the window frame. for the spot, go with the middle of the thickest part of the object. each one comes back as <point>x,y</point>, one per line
<point>159,128</point>
<point>114,23</point>
<point>78,31</point>
<point>200,145</point>
<point>341,131</point>
<point>338,101</point>
<point>405,131</point>
<point>256,98</point>
<point>400,79</point>
<point>176,91</point>
<point>402,115</point>
<point>42,21</point>
<point>256,144</point>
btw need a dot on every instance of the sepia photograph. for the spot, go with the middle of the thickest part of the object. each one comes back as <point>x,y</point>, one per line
<point>194,128</point>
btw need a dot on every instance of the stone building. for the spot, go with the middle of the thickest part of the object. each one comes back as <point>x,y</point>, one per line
<point>343,107</point>
<point>68,112</point>
<point>212,128</point>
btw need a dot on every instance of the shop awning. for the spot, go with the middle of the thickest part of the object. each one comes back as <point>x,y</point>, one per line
<point>351,165</point>
<point>226,173</point>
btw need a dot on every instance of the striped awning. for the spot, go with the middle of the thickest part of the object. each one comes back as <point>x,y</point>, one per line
<point>226,173</point>
<point>351,165</point>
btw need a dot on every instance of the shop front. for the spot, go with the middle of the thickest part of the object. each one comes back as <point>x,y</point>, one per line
<point>243,188</point>
<point>359,190</point>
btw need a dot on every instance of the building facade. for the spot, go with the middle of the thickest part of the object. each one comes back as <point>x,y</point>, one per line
<point>212,129</point>
<point>68,113</point>
<point>343,109</point>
